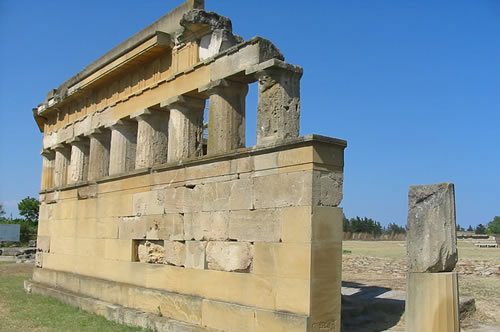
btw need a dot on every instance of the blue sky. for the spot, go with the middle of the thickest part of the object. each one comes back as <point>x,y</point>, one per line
<point>413,86</point>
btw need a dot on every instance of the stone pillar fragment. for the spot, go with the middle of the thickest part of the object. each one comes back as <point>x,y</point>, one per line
<point>123,147</point>
<point>48,161</point>
<point>226,115</point>
<point>431,238</point>
<point>432,295</point>
<point>278,110</point>
<point>100,142</point>
<point>152,138</point>
<point>62,158</point>
<point>78,167</point>
<point>185,128</point>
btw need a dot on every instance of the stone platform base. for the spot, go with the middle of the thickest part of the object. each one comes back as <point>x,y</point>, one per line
<point>111,311</point>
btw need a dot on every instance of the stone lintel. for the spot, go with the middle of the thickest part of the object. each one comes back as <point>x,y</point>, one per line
<point>274,64</point>
<point>141,112</point>
<point>94,132</point>
<point>183,102</point>
<point>216,86</point>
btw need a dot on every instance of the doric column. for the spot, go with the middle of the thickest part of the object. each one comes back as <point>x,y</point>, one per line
<point>278,110</point>
<point>226,115</point>
<point>100,141</point>
<point>185,127</point>
<point>123,147</point>
<point>62,158</point>
<point>48,161</point>
<point>78,166</point>
<point>152,138</point>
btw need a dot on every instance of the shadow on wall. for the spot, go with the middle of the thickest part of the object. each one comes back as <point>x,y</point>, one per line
<point>370,308</point>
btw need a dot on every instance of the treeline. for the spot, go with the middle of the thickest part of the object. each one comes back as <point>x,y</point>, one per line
<point>370,226</point>
<point>493,227</point>
<point>28,209</point>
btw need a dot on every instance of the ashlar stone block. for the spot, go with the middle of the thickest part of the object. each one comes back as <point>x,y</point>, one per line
<point>229,256</point>
<point>175,253</point>
<point>195,254</point>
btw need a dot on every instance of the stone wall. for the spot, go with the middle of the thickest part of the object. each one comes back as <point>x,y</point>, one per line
<point>139,210</point>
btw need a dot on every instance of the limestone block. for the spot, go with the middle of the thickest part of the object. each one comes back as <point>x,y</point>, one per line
<point>132,228</point>
<point>289,260</point>
<point>255,225</point>
<point>195,254</point>
<point>149,252</point>
<point>49,140</point>
<point>229,317</point>
<point>281,190</point>
<point>102,118</point>
<point>229,256</point>
<point>78,166</point>
<point>432,302</point>
<point>123,147</point>
<point>431,239</point>
<point>107,229</point>
<point>89,191</point>
<point>206,226</point>
<point>149,202</point>
<point>296,224</point>
<point>43,243</point>
<point>327,188</point>
<point>39,259</point>
<point>266,320</point>
<point>240,194</point>
<point>65,134</point>
<point>82,126</point>
<point>175,253</point>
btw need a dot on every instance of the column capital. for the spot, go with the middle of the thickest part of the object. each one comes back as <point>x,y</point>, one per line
<point>78,140</point>
<point>183,103</point>
<point>47,153</point>
<point>223,86</point>
<point>60,147</point>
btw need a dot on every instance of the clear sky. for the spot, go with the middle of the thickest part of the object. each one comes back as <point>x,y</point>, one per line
<point>413,86</point>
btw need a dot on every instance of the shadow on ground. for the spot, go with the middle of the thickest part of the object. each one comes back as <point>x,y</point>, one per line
<point>370,308</point>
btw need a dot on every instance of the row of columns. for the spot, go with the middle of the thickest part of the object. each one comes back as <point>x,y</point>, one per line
<point>175,132</point>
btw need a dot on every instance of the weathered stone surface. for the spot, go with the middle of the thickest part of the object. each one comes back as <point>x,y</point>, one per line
<point>100,141</point>
<point>229,256</point>
<point>278,109</point>
<point>123,147</point>
<point>327,188</point>
<point>175,253</point>
<point>150,252</point>
<point>195,254</point>
<point>226,123</point>
<point>63,156</point>
<point>431,239</point>
<point>185,129</point>
<point>152,138</point>
<point>206,226</point>
<point>255,225</point>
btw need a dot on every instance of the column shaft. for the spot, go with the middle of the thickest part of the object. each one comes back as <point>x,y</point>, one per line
<point>278,110</point>
<point>123,147</point>
<point>185,128</point>
<point>78,167</point>
<point>99,155</point>
<point>61,163</point>
<point>48,161</point>
<point>152,139</point>
<point>226,117</point>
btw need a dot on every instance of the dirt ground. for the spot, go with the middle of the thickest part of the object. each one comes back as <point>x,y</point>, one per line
<point>383,264</point>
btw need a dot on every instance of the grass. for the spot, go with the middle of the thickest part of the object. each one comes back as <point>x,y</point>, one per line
<point>397,249</point>
<point>22,311</point>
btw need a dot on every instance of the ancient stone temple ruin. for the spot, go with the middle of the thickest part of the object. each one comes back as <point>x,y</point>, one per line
<point>157,215</point>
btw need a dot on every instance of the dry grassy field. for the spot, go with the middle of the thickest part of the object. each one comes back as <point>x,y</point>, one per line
<point>383,264</point>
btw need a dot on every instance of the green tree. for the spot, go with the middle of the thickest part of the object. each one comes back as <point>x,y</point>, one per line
<point>480,229</point>
<point>393,228</point>
<point>346,224</point>
<point>28,208</point>
<point>494,226</point>
<point>470,229</point>
<point>2,212</point>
